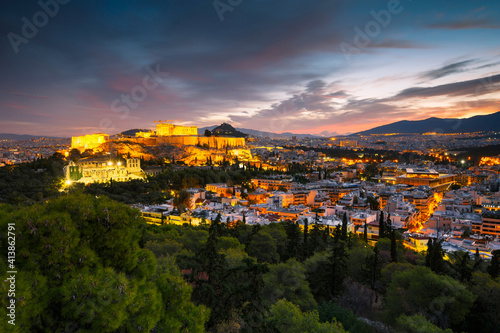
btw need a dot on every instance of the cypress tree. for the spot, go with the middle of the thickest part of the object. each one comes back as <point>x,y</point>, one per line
<point>344,227</point>
<point>381,225</point>
<point>338,267</point>
<point>465,272</point>
<point>394,253</point>
<point>374,267</point>
<point>430,246</point>
<point>293,240</point>
<point>436,261</point>
<point>365,233</point>
<point>305,249</point>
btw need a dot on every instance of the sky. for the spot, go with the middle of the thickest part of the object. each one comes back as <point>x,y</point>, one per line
<point>324,67</point>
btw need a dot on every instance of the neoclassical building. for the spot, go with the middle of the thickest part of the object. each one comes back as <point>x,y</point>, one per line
<point>99,170</point>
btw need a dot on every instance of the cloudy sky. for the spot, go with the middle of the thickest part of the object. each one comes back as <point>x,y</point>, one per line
<point>304,66</point>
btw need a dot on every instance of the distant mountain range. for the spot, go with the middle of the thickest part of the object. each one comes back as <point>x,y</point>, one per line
<point>252,132</point>
<point>486,123</point>
<point>23,137</point>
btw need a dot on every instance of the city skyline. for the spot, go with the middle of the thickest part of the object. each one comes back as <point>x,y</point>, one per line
<point>315,67</point>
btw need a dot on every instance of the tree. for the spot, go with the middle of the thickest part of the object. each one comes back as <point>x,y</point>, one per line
<point>344,227</point>
<point>317,240</point>
<point>373,270</point>
<point>330,311</point>
<point>208,275</point>
<point>365,233</point>
<point>442,300</point>
<point>483,316</point>
<point>338,267</point>
<point>318,275</point>
<point>288,281</point>
<point>434,257</point>
<point>182,200</point>
<point>494,267</point>
<point>263,247</point>
<point>285,316</point>
<point>293,240</point>
<point>394,251</point>
<point>418,324</point>
<point>381,225</point>
<point>373,202</point>
<point>86,271</point>
<point>305,245</point>
<point>207,133</point>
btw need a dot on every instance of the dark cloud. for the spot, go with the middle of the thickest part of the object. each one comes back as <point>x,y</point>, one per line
<point>395,44</point>
<point>92,52</point>
<point>456,67</point>
<point>466,24</point>
<point>471,87</point>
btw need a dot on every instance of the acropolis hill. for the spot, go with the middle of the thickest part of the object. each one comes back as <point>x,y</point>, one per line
<point>169,140</point>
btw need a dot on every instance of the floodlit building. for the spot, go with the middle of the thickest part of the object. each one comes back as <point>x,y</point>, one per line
<point>90,141</point>
<point>98,170</point>
<point>164,129</point>
<point>426,177</point>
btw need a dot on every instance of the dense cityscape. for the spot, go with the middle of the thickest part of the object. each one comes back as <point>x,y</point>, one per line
<point>250,166</point>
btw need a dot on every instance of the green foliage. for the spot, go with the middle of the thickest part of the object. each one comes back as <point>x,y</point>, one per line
<point>31,182</point>
<point>83,270</point>
<point>434,256</point>
<point>338,267</point>
<point>483,316</point>
<point>226,289</point>
<point>293,235</point>
<point>285,316</point>
<point>329,312</point>
<point>494,267</point>
<point>442,300</point>
<point>318,275</point>
<point>263,247</point>
<point>288,281</point>
<point>356,265</point>
<point>418,324</point>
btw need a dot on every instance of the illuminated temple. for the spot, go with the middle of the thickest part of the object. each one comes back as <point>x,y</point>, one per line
<point>91,141</point>
<point>164,129</point>
<point>165,134</point>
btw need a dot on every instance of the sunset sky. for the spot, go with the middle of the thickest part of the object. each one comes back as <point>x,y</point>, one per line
<point>323,67</point>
